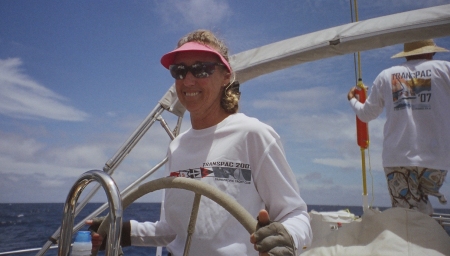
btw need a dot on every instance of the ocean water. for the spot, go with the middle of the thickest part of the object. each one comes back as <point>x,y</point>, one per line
<point>25,226</point>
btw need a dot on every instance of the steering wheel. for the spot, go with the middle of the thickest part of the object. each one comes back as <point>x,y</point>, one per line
<point>200,189</point>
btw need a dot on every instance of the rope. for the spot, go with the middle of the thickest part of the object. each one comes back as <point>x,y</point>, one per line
<point>371,178</point>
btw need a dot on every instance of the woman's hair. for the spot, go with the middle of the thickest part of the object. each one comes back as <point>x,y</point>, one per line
<point>230,98</point>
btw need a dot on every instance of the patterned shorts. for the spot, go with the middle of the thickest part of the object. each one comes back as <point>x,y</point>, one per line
<point>410,186</point>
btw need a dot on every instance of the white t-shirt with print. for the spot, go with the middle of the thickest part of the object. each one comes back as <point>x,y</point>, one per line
<point>244,158</point>
<point>416,96</point>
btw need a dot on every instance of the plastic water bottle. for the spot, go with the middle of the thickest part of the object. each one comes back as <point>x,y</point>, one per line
<point>82,245</point>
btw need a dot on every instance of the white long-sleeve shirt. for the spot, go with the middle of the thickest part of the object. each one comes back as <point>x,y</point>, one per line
<point>244,158</point>
<point>416,96</point>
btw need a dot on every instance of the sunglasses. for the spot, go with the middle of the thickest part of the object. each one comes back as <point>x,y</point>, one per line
<point>198,70</point>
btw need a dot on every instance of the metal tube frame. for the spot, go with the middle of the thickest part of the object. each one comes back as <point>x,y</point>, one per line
<point>115,211</point>
<point>114,162</point>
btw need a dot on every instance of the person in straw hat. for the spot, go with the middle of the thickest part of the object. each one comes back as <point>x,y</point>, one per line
<point>416,144</point>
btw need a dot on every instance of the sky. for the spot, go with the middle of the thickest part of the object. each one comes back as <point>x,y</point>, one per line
<point>78,77</point>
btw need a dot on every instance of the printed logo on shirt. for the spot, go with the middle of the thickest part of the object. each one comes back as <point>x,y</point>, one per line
<point>411,90</point>
<point>226,171</point>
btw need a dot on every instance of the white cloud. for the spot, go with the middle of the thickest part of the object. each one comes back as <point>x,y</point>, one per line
<point>337,162</point>
<point>18,147</point>
<point>312,99</point>
<point>200,12</point>
<point>51,168</point>
<point>193,12</point>
<point>314,123</point>
<point>81,156</point>
<point>111,114</point>
<point>21,97</point>
<point>52,183</point>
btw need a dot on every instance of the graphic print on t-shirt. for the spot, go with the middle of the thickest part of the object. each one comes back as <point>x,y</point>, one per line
<point>411,90</point>
<point>229,174</point>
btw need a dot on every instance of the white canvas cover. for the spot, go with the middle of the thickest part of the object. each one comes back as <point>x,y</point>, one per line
<point>364,35</point>
<point>396,231</point>
<point>323,223</point>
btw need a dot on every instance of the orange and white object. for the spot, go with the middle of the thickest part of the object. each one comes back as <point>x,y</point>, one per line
<point>362,128</point>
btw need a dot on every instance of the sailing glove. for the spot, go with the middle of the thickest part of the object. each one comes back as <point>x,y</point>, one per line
<point>274,239</point>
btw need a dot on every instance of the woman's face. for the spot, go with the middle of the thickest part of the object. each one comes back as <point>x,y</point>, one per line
<point>201,96</point>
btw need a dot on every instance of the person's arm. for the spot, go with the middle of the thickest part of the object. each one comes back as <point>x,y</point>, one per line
<point>133,233</point>
<point>151,233</point>
<point>373,106</point>
<point>98,242</point>
<point>278,189</point>
<point>272,237</point>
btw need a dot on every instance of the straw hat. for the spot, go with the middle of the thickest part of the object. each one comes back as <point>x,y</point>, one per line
<point>419,47</point>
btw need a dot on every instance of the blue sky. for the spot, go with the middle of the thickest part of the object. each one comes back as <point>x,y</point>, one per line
<point>78,77</point>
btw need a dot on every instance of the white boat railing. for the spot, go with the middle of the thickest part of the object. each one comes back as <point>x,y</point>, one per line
<point>442,218</point>
<point>26,250</point>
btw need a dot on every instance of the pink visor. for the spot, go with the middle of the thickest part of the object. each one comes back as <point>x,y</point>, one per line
<point>168,58</point>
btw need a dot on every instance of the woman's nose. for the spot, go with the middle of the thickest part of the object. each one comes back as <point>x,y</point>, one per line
<point>189,79</point>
